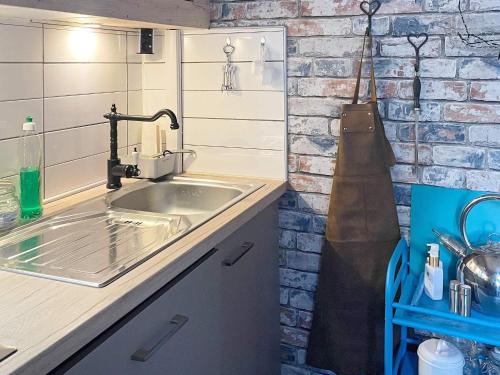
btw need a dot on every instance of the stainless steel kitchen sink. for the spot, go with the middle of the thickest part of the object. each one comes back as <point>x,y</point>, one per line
<point>95,242</point>
<point>191,198</point>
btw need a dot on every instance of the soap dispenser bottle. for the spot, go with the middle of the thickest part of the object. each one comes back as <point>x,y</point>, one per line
<point>30,148</point>
<point>433,278</point>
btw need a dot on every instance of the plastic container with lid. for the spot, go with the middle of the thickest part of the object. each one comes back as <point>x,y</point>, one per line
<point>439,357</point>
<point>9,205</point>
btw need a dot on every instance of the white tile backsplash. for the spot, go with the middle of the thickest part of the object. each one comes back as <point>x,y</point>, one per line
<point>249,76</point>
<point>69,111</point>
<point>254,105</point>
<point>155,76</point>
<point>207,46</point>
<point>20,81</point>
<point>78,79</point>
<point>84,45</point>
<point>15,39</point>
<point>8,152</point>
<point>9,156</point>
<point>135,76</point>
<point>228,133</point>
<point>66,177</point>
<point>67,78</point>
<point>235,161</point>
<point>242,132</point>
<point>13,113</point>
<point>71,144</point>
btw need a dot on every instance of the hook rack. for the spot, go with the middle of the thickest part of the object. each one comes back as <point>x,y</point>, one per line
<point>369,8</point>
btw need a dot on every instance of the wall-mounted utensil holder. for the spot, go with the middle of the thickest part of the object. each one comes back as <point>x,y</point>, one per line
<point>154,167</point>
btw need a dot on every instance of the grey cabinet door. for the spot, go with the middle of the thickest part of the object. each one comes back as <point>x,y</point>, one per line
<point>250,298</point>
<point>178,334</point>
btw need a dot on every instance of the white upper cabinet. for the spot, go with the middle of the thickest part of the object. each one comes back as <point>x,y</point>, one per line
<point>130,13</point>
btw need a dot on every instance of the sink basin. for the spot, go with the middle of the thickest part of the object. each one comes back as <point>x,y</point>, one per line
<point>178,197</point>
<point>95,242</point>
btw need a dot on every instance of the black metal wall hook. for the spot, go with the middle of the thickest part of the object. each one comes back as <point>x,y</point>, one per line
<point>370,8</point>
<point>417,41</point>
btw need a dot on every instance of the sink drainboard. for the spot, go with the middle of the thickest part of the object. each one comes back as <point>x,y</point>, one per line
<point>87,248</point>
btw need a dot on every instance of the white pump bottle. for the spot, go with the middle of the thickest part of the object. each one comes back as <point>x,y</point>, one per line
<point>433,278</point>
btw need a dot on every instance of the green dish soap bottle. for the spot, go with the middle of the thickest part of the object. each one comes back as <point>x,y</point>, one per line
<point>30,150</point>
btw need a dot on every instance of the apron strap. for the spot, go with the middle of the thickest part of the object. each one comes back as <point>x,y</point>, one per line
<point>373,88</point>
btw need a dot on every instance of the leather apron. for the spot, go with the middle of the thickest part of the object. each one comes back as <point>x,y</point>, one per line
<point>347,334</point>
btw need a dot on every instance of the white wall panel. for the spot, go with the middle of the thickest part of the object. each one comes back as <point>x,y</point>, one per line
<point>67,78</point>
<point>257,105</point>
<point>71,144</point>
<point>235,133</point>
<point>248,76</point>
<point>155,76</point>
<point>242,132</point>
<point>69,111</point>
<point>134,76</point>
<point>73,79</point>
<point>61,178</point>
<point>12,115</point>
<point>21,81</point>
<point>20,44</point>
<point>9,156</point>
<point>84,45</point>
<point>236,161</point>
<point>207,46</point>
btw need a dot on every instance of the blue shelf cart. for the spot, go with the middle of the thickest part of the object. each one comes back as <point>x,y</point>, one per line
<point>406,306</point>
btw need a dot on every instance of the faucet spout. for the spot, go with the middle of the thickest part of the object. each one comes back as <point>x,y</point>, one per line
<point>162,112</point>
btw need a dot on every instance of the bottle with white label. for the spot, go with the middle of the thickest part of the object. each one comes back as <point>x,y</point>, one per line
<point>433,278</point>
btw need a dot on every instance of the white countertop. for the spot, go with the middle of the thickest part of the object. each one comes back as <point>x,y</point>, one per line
<point>48,321</point>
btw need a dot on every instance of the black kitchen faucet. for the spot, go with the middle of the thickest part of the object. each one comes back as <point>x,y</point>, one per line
<point>116,170</point>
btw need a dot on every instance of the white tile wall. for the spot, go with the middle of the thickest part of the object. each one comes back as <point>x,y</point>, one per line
<point>15,40</point>
<point>65,112</point>
<point>242,132</point>
<point>67,78</point>
<point>159,82</point>
<point>84,45</point>
<point>207,77</point>
<point>78,79</point>
<point>20,81</point>
<point>13,112</point>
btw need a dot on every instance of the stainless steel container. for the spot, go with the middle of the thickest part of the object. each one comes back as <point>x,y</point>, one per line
<point>464,299</point>
<point>454,286</point>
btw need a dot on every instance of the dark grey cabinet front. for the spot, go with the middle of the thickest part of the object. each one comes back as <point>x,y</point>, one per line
<point>221,318</point>
<point>175,335</point>
<point>249,298</point>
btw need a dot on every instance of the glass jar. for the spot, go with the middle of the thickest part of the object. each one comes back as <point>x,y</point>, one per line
<point>492,363</point>
<point>9,205</point>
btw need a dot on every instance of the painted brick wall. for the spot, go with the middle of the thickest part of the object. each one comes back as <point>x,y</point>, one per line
<point>460,132</point>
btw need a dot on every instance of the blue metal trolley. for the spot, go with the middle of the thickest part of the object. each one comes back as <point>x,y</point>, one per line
<point>405,304</point>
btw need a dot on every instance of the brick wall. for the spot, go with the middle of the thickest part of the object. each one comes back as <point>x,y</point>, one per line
<point>459,133</point>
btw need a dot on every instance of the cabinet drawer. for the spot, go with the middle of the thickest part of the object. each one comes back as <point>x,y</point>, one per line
<point>175,334</point>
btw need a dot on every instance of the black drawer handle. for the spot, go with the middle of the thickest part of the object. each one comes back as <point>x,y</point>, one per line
<point>238,254</point>
<point>175,324</point>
